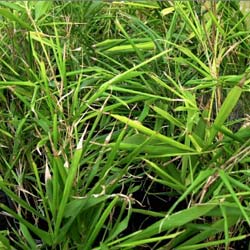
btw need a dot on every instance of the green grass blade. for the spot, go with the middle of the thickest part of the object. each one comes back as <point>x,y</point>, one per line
<point>225,110</point>
<point>137,125</point>
<point>226,182</point>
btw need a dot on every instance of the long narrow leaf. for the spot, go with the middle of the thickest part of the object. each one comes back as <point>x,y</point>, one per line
<point>137,125</point>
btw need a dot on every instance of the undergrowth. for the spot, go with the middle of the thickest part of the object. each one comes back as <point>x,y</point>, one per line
<point>124,125</point>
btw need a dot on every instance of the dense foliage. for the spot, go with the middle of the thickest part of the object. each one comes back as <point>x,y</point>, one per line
<point>124,125</point>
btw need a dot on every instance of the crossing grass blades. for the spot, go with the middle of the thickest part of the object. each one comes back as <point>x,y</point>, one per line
<point>124,125</point>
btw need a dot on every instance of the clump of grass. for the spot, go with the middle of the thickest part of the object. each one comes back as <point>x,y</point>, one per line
<point>109,108</point>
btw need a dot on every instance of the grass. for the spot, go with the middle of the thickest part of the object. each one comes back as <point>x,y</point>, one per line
<point>124,125</point>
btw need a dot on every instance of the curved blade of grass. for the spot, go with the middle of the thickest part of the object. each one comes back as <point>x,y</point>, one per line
<point>149,240</point>
<point>122,77</point>
<point>173,221</point>
<point>126,90</point>
<point>168,117</point>
<point>28,237</point>
<point>6,13</point>
<point>137,125</point>
<point>68,184</point>
<point>17,83</point>
<point>215,243</point>
<point>139,4</point>
<point>167,11</point>
<point>4,242</point>
<point>154,150</point>
<point>226,109</point>
<point>130,48</point>
<point>203,175</point>
<point>74,208</point>
<point>163,174</point>
<point>41,8</point>
<point>194,58</point>
<point>121,222</point>
<point>226,225</point>
<point>20,201</point>
<point>93,232</point>
<point>13,6</point>
<point>226,181</point>
<point>45,236</point>
<point>210,231</point>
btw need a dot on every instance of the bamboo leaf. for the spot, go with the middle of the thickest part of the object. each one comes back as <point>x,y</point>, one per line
<point>137,125</point>
<point>225,110</point>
